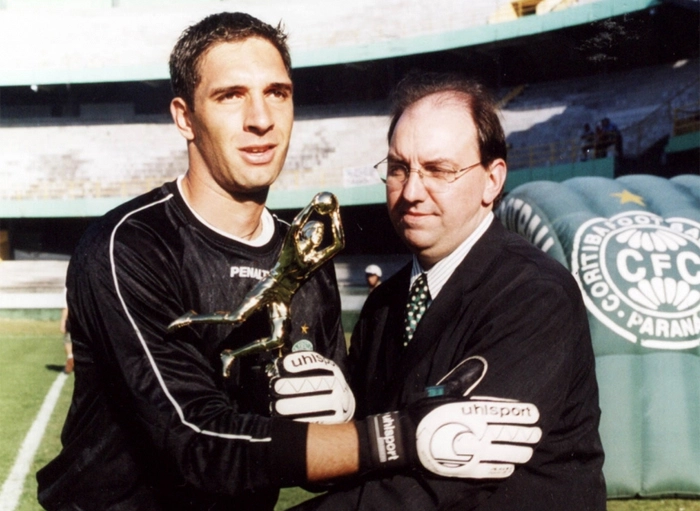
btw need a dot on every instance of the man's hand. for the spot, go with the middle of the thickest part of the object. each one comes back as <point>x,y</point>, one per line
<point>311,388</point>
<point>451,435</point>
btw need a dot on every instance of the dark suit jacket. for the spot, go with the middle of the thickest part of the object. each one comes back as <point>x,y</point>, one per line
<point>522,311</point>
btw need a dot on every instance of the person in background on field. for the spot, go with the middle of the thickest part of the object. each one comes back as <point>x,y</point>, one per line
<point>587,142</point>
<point>611,136</point>
<point>373,276</point>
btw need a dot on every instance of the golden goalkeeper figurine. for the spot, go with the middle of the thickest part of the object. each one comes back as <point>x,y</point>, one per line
<point>299,257</point>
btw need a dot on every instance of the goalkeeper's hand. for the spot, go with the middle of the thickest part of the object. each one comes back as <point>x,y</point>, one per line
<point>311,388</point>
<point>452,435</point>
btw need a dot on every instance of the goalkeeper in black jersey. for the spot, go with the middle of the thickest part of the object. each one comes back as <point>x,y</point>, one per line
<point>154,425</point>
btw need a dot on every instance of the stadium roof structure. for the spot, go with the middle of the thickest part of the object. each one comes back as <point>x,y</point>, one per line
<point>95,41</point>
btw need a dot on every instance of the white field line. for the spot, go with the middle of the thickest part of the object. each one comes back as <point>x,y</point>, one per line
<point>12,488</point>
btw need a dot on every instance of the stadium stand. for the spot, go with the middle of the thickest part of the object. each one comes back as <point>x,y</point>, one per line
<point>102,134</point>
<point>336,149</point>
<point>641,102</point>
<point>32,284</point>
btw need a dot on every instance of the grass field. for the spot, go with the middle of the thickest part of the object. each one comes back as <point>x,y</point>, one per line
<point>31,357</point>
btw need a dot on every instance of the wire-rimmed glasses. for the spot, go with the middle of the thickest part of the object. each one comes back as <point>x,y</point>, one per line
<point>435,177</point>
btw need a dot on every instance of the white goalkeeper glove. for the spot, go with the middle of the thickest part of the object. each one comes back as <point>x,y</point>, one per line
<point>452,436</point>
<point>477,439</point>
<point>311,388</point>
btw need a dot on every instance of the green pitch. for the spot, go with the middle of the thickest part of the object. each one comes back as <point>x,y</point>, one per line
<point>31,357</point>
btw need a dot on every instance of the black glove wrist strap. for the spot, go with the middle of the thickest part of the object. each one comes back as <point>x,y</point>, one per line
<point>386,441</point>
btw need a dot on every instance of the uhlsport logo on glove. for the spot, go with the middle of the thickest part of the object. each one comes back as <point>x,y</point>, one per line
<point>311,388</point>
<point>388,433</point>
<point>306,360</point>
<point>476,437</point>
<point>479,438</point>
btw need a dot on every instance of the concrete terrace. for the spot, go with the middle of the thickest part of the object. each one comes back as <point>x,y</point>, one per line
<point>330,149</point>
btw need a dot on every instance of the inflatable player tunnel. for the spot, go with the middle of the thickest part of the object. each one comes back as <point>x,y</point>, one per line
<point>633,245</point>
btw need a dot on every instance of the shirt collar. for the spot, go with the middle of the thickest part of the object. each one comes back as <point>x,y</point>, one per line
<point>268,223</point>
<point>439,274</point>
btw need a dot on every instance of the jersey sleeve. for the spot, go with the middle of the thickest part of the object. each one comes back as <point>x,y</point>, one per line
<point>123,294</point>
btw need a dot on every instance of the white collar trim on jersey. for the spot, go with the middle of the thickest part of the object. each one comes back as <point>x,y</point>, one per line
<point>443,269</point>
<point>268,224</point>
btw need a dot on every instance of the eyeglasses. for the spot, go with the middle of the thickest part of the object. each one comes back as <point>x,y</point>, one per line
<point>434,177</point>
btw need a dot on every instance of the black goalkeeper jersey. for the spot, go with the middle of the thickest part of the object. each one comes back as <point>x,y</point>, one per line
<point>153,424</point>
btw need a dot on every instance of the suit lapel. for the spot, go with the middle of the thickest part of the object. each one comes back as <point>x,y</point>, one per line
<point>392,337</point>
<point>418,362</point>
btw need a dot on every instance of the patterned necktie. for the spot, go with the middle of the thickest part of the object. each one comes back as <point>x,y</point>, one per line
<point>415,307</point>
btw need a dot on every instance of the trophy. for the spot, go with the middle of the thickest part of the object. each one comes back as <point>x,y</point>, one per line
<point>300,256</point>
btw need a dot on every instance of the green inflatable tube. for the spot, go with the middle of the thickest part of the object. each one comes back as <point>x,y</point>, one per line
<point>633,245</point>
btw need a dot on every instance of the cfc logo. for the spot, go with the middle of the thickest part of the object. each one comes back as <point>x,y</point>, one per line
<point>640,276</point>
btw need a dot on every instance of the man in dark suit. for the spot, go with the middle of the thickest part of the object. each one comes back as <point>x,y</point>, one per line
<point>473,291</point>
